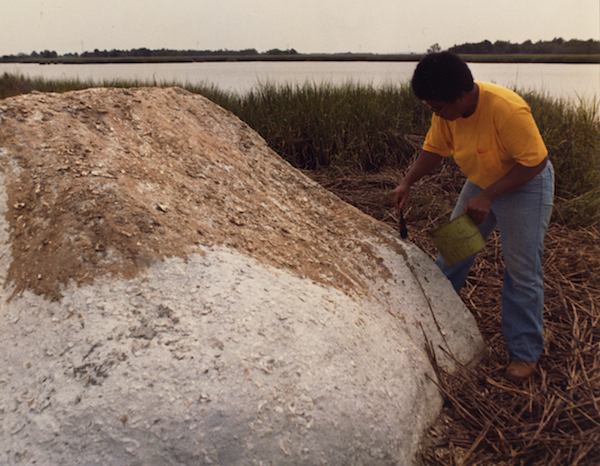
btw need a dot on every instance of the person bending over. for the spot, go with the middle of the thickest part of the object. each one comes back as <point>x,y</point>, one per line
<point>490,132</point>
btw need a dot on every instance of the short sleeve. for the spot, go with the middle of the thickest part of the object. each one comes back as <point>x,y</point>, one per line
<point>522,140</point>
<point>439,138</point>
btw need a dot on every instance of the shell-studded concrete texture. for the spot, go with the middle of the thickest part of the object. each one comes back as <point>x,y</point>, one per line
<point>176,293</point>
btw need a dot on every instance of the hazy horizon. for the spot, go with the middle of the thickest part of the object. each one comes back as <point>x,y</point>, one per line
<point>308,26</point>
<point>264,51</point>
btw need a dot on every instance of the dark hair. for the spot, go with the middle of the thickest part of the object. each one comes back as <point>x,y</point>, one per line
<point>441,76</point>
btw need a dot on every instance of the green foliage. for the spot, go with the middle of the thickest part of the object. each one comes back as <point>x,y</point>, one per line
<point>349,126</point>
<point>556,46</point>
<point>572,135</point>
<point>135,54</point>
<point>11,85</point>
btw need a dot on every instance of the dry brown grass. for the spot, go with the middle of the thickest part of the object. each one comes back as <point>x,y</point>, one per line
<point>554,417</point>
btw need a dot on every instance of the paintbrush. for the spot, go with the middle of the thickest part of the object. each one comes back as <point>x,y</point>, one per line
<point>402,226</point>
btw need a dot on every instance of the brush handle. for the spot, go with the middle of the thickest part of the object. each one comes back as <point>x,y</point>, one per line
<point>402,226</point>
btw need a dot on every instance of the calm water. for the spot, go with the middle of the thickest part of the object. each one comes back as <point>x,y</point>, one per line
<point>567,81</point>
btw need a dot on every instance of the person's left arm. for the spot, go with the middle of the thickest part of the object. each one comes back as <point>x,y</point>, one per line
<point>479,206</point>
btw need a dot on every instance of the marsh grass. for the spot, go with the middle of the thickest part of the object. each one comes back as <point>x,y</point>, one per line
<point>571,131</point>
<point>14,84</point>
<point>348,127</point>
<point>355,127</point>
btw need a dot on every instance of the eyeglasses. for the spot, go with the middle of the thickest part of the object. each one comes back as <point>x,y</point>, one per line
<point>435,109</point>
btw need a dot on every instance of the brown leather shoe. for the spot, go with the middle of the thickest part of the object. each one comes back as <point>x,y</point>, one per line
<point>517,371</point>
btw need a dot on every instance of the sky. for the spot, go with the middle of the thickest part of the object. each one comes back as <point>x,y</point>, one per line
<point>308,26</point>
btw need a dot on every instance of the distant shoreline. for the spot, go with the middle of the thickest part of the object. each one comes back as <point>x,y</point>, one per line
<point>473,58</point>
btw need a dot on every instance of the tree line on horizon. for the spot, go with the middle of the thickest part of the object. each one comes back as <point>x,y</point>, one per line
<point>557,46</point>
<point>147,53</point>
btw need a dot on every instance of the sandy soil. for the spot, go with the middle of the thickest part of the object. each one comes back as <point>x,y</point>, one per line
<point>87,199</point>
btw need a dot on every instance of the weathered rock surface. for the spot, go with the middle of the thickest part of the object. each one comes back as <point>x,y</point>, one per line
<point>175,293</point>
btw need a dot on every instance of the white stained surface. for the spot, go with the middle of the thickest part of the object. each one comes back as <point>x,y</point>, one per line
<point>219,360</point>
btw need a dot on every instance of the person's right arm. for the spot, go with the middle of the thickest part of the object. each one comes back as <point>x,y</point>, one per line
<point>425,163</point>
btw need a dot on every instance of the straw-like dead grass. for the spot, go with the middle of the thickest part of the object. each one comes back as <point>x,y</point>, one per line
<point>554,417</point>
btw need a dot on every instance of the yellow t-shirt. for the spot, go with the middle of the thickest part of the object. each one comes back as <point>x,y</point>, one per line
<point>487,144</point>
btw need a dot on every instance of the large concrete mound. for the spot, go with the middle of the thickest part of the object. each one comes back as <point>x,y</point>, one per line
<point>176,293</point>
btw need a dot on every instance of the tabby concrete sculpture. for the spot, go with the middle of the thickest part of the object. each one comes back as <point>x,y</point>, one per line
<point>176,293</point>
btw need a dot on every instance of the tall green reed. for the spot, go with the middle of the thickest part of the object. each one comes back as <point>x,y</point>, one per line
<point>16,84</point>
<point>571,131</point>
<point>324,126</point>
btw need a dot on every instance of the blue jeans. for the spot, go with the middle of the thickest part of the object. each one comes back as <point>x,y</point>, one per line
<point>522,217</point>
